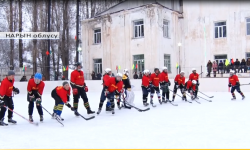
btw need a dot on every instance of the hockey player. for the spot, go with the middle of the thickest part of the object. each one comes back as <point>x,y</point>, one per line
<point>112,87</point>
<point>155,80</point>
<point>61,95</point>
<point>35,90</point>
<point>6,88</point>
<point>191,88</point>
<point>105,78</point>
<point>195,76</point>
<point>145,87</point>
<point>127,88</point>
<point>79,88</point>
<point>180,84</point>
<point>235,84</point>
<point>164,83</point>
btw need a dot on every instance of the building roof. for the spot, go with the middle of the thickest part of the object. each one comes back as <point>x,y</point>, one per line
<point>131,4</point>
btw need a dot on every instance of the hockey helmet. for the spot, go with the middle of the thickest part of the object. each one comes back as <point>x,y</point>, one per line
<point>194,82</point>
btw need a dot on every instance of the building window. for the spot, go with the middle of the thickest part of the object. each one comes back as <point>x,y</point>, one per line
<point>166,29</point>
<point>248,26</point>
<point>98,65</point>
<point>219,58</point>
<point>138,29</point>
<point>167,62</point>
<point>97,36</point>
<point>139,63</point>
<point>220,30</point>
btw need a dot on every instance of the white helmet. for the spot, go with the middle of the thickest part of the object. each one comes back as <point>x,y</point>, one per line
<point>107,70</point>
<point>193,69</point>
<point>231,73</point>
<point>182,73</point>
<point>194,82</point>
<point>146,71</point>
<point>118,74</point>
<point>163,68</point>
<point>125,71</point>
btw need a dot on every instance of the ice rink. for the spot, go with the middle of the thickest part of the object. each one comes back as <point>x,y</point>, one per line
<point>219,124</point>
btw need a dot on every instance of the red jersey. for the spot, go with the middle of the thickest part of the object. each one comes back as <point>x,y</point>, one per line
<point>113,85</point>
<point>180,80</point>
<point>193,76</point>
<point>164,77</point>
<point>77,78</point>
<point>37,87</point>
<point>145,81</point>
<point>155,78</point>
<point>6,87</point>
<point>63,93</point>
<point>189,85</point>
<point>233,79</point>
<point>105,78</point>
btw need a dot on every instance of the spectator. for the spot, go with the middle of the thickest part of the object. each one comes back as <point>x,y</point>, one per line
<point>248,64</point>
<point>221,67</point>
<point>232,64</point>
<point>93,75</point>
<point>135,75</point>
<point>237,66</point>
<point>140,75</point>
<point>23,79</point>
<point>63,78</point>
<point>215,67</point>
<point>99,76</point>
<point>209,68</point>
<point>243,65</point>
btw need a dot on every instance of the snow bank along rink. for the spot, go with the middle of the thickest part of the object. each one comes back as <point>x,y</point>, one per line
<point>220,124</point>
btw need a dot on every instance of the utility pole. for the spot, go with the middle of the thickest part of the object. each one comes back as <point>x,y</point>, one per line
<point>48,59</point>
<point>77,30</point>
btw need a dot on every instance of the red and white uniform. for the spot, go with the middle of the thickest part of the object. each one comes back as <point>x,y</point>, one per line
<point>63,93</point>
<point>77,78</point>
<point>113,85</point>
<point>155,78</point>
<point>164,77</point>
<point>179,80</point>
<point>37,87</point>
<point>6,87</point>
<point>233,79</point>
<point>194,76</point>
<point>190,85</point>
<point>145,81</point>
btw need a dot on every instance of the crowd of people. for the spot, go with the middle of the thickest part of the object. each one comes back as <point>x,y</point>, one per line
<point>221,67</point>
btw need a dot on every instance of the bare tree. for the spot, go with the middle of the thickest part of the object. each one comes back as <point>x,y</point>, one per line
<point>20,40</point>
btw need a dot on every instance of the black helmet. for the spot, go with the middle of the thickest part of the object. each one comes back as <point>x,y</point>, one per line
<point>156,69</point>
<point>78,64</point>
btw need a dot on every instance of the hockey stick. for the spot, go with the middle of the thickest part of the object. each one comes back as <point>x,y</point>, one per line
<point>52,116</point>
<point>179,96</point>
<point>205,99</point>
<point>140,110</point>
<point>206,95</point>
<point>36,124</point>
<point>245,84</point>
<point>92,117</point>
<point>194,99</point>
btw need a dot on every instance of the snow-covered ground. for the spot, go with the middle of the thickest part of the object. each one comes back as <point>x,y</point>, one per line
<point>220,124</point>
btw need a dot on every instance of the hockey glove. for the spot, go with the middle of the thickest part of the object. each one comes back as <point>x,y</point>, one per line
<point>68,98</point>
<point>38,101</point>
<point>68,105</point>
<point>75,91</point>
<point>86,89</point>
<point>229,85</point>
<point>32,98</point>
<point>16,90</point>
<point>237,83</point>
<point>73,109</point>
<point>169,83</point>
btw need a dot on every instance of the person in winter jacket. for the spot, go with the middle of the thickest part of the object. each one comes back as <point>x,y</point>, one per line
<point>209,68</point>
<point>221,64</point>
<point>215,67</point>
<point>237,66</point>
<point>243,65</point>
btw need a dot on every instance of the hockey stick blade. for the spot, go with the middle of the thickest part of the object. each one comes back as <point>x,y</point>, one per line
<point>92,117</point>
<point>197,102</point>
<point>172,103</point>
<point>142,110</point>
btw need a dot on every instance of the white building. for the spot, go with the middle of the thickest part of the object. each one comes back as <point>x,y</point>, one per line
<point>147,33</point>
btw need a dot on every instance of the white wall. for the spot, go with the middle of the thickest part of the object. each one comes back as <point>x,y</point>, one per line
<point>206,85</point>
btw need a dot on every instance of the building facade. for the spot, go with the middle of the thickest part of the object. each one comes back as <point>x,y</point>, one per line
<point>140,35</point>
